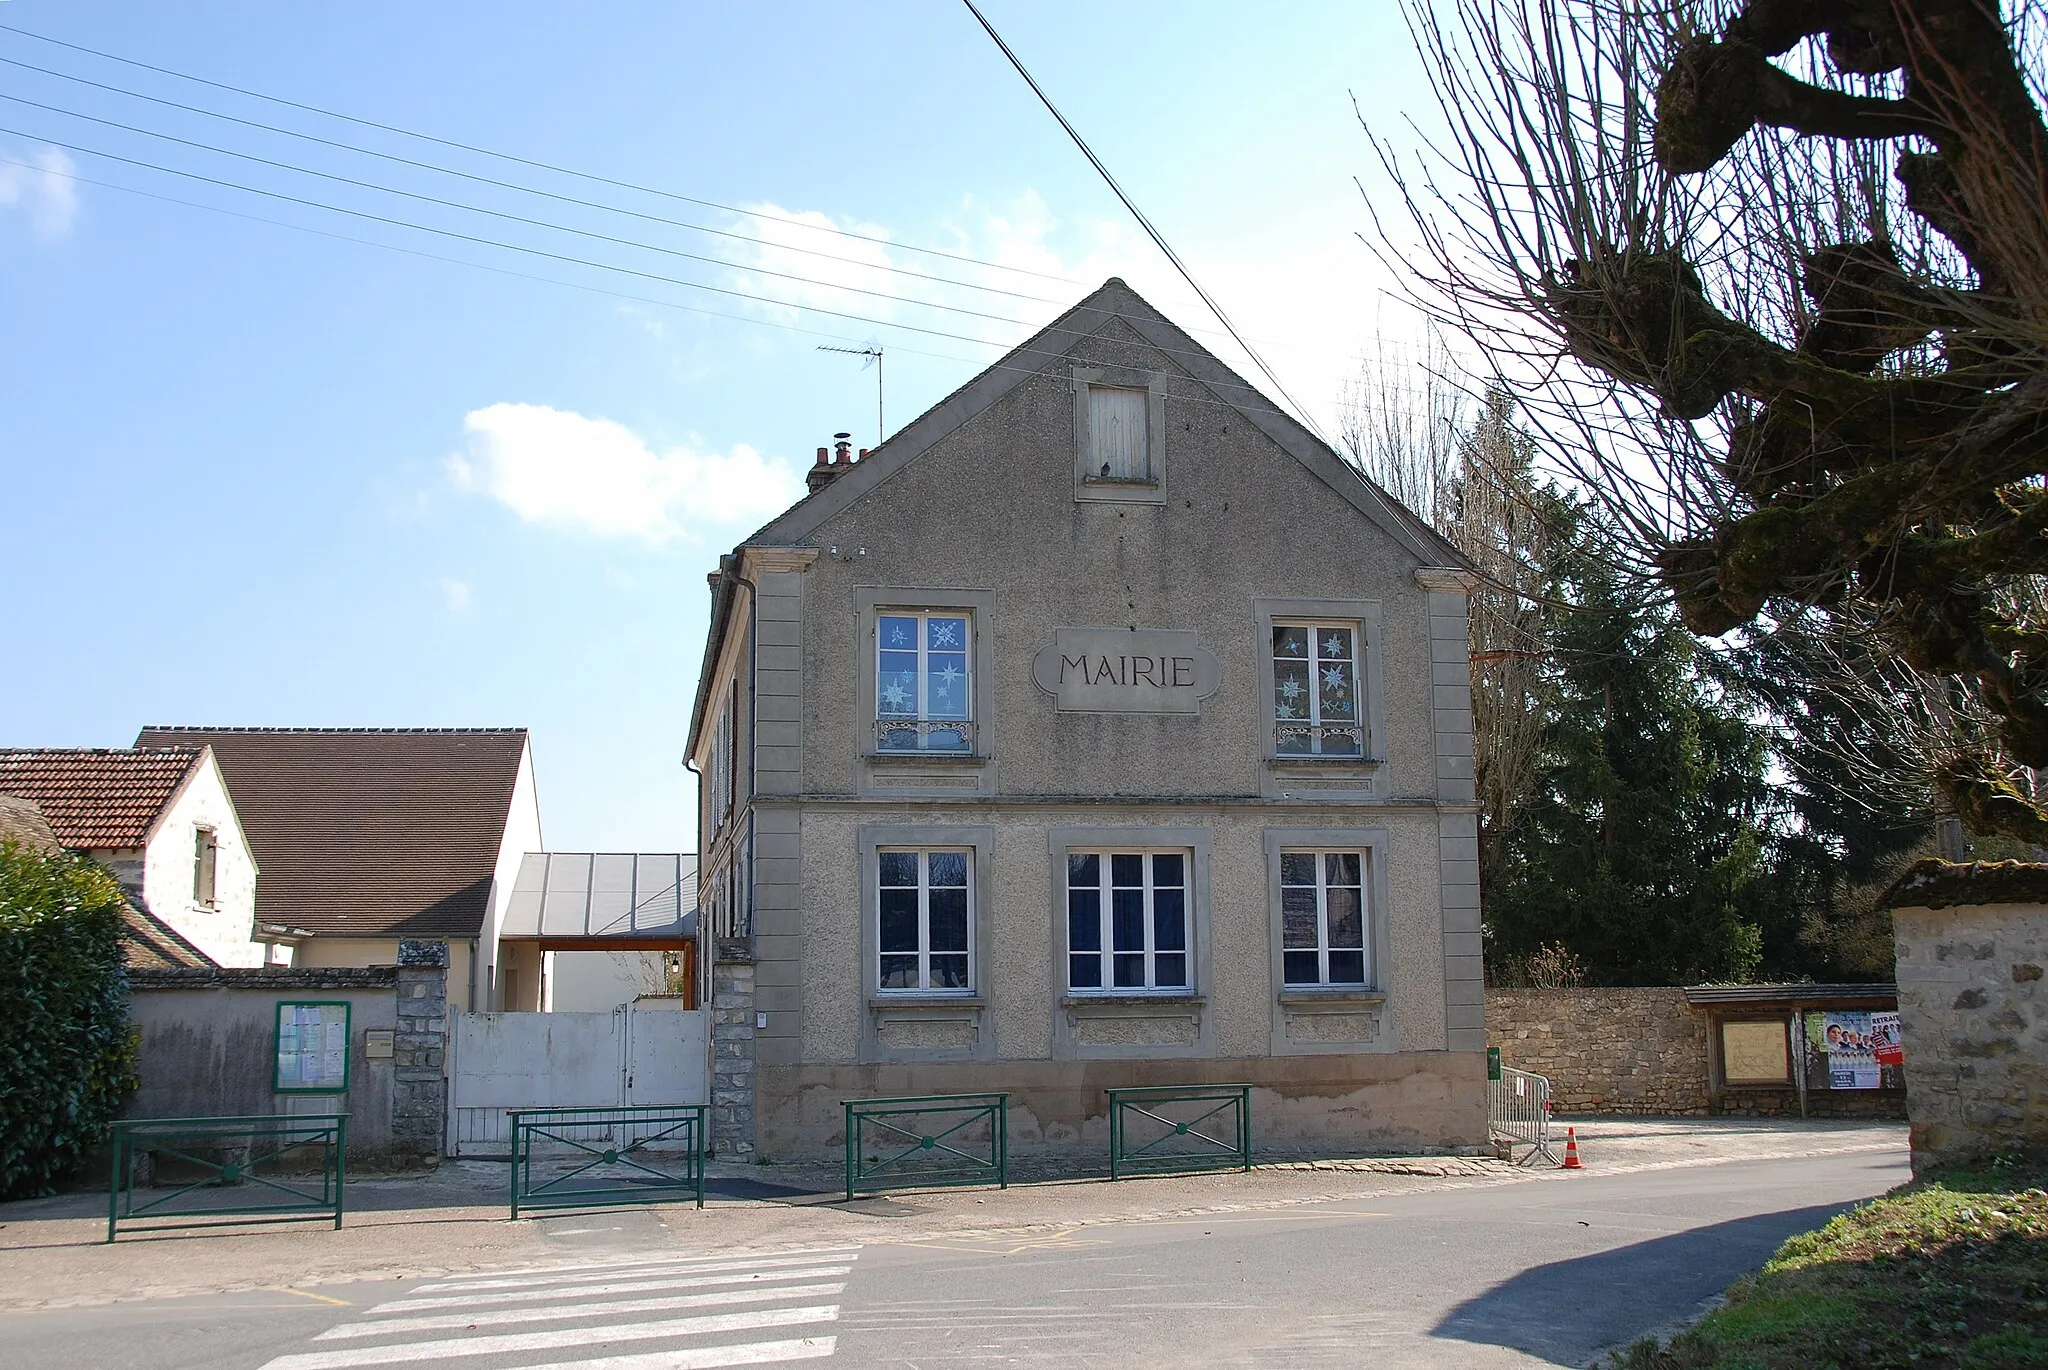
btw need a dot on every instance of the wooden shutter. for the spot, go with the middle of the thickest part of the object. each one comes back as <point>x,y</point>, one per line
<point>1116,434</point>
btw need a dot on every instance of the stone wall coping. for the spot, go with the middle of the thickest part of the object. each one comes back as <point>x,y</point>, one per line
<point>1937,884</point>
<point>1789,995</point>
<point>265,977</point>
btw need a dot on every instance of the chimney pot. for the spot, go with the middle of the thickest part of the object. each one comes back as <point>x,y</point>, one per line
<point>823,453</point>
<point>863,454</point>
<point>842,449</point>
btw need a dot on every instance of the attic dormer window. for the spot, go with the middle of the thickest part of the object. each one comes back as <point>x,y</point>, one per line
<point>1119,435</point>
<point>1117,447</point>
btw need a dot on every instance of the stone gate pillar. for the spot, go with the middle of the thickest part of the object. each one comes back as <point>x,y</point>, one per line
<point>732,1050</point>
<point>419,1086</point>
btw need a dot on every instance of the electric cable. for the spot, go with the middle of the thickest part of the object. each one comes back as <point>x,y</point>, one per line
<point>507,185</point>
<point>531,162</point>
<point>1153,233</point>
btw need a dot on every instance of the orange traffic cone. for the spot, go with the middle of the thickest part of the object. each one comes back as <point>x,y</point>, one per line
<point>1571,1150</point>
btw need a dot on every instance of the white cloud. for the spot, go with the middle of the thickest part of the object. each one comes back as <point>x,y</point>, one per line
<point>595,476</point>
<point>456,594</point>
<point>43,191</point>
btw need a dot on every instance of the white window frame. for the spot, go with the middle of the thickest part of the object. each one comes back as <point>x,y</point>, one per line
<point>1323,948</point>
<point>924,988</point>
<point>1313,720</point>
<point>1107,952</point>
<point>921,721</point>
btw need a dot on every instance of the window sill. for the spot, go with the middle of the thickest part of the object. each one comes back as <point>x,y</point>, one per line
<point>1316,762</point>
<point>1119,483</point>
<point>922,758</point>
<point>1306,996</point>
<point>914,1002</point>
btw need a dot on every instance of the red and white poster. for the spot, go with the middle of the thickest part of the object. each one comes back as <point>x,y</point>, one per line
<point>1886,1043</point>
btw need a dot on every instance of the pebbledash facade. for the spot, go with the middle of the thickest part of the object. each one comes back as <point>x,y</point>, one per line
<point>1100,728</point>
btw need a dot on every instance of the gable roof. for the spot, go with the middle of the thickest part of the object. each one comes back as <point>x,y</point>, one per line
<point>99,798</point>
<point>368,832</point>
<point>1112,300</point>
<point>21,821</point>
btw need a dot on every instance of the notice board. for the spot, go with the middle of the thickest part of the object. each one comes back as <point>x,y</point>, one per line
<point>312,1047</point>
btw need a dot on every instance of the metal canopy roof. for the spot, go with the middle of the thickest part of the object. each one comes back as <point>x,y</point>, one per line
<point>600,897</point>
<point>1790,994</point>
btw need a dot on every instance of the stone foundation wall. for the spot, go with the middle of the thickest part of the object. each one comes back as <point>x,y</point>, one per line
<point>1412,1101</point>
<point>1606,1050</point>
<point>1973,1007</point>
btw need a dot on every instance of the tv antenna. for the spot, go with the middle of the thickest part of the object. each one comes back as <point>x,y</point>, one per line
<point>873,353</point>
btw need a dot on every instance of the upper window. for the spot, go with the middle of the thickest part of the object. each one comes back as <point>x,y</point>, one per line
<point>205,864</point>
<point>1118,446</point>
<point>1127,921</point>
<point>1322,918</point>
<point>923,691</point>
<point>1315,690</point>
<point>922,900</point>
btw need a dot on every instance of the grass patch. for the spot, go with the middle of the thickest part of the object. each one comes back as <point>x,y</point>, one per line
<point>1949,1272</point>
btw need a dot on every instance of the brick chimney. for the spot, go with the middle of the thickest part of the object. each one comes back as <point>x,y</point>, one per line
<point>832,463</point>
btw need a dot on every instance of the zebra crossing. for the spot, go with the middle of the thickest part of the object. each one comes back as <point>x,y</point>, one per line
<point>667,1312</point>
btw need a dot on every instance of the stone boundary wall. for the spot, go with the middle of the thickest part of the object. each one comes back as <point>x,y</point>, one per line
<point>208,1038</point>
<point>1973,1006</point>
<point>1638,1051</point>
<point>265,977</point>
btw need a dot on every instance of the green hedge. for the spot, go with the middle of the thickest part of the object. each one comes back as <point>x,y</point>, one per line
<point>67,1056</point>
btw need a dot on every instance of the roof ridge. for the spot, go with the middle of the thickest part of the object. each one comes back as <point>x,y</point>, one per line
<point>261,728</point>
<point>101,751</point>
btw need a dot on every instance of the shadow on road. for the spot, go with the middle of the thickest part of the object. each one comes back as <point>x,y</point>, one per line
<point>1566,1311</point>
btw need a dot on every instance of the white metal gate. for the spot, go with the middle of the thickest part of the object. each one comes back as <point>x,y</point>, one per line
<point>568,1060</point>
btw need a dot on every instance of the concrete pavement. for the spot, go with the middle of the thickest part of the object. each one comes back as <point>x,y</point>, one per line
<point>1309,1264</point>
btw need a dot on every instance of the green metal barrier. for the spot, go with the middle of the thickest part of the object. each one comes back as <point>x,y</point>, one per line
<point>604,1157</point>
<point>222,1171</point>
<point>1169,1127</point>
<point>926,1141</point>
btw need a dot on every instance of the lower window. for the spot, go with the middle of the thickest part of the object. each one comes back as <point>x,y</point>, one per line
<point>922,903</point>
<point>1322,918</point>
<point>1127,920</point>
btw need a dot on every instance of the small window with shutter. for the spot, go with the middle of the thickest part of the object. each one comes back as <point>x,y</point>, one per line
<point>1117,441</point>
<point>205,858</point>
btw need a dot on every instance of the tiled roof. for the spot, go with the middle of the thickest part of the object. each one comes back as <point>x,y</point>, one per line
<point>368,832</point>
<point>98,798</point>
<point>21,820</point>
<point>154,944</point>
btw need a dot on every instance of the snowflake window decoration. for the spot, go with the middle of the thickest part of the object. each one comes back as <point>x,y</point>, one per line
<point>1333,678</point>
<point>1287,711</point>
<point>945,634</point>
<point>899,638</point>
<point>949,675</point>
<point>1290,689</point>
<point>896,697</point>
<point>1333,645</point>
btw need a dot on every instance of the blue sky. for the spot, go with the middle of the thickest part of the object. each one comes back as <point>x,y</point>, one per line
<point>256,475</point>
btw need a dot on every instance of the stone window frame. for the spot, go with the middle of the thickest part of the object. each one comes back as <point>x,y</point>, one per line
<point>979,605</point>
<point>1090,487</point>
<point>1069,1006</point>
<point>1374,846</point>
<point>1367,770</point>
<point>979,839</point>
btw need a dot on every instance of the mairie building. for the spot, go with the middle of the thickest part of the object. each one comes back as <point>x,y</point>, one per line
<point>1101,728</point>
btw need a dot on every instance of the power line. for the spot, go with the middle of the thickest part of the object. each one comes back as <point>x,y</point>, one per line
<point>536,223</point>
<point>1153,233</point>
<point>506,185</point>
<point>531,162</point>
<point>506,215</point>
<point>1264,406</point>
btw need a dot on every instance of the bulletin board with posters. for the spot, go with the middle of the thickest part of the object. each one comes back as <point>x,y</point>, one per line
<point>1855,1050</point>
<point>312,1047</point>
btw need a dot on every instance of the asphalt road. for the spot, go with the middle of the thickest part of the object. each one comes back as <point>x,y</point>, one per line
<point>1541,1273</point>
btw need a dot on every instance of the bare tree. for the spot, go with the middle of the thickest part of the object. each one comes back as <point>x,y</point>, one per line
<point>1772,279</point>
<point>1403,425</point>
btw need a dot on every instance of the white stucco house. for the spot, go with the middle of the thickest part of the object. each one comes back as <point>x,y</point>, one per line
<point>163,821</point>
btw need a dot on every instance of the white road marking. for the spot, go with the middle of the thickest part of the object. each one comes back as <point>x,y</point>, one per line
<point>558,1291</point>
<point>608,1269</point>
<point>706,1357</point>
<point>501,1316</point>
<point>407,1352</point>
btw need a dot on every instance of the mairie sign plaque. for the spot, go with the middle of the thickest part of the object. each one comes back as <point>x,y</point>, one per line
<point>1127,670</point>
